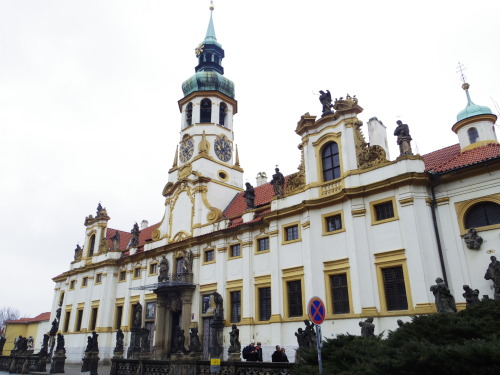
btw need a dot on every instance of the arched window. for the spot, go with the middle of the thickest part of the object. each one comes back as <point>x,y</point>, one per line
<point>189,114</point>
<point>206,111</point>
<point>222,114</point>
<point>330,161</point>
<point>473,135</point>
<point>482,214</point>
<point>91,245</point>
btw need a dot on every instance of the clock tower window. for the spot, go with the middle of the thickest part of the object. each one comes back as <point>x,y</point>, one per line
<point>206,110</point>
<point>222,114</point>
<point>189,114</point>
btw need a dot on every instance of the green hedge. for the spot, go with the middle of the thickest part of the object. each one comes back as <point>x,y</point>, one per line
<point>464,343</point>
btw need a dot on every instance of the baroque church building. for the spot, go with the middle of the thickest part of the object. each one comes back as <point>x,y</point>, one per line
<point>366,234</point>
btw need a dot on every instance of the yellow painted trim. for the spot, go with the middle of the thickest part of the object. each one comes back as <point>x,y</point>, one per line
<point>358,213</point>
<point>247,321</point>
<point>293,274</point>
<point>97,278</point>
<point>442,201</point>
<point>135,277</point>
<point>324,218</point>
<point>219,172</point>
<point>80,305</point>
<point>150,297</point>
<point>406,201</point>
<point>233,286</point>
<point>122,272</point>
<point>115,318</point>
<point>284,227</point>
<point>381,201</point>
<point>230,256</point>
<point>149,268</point>
<point>463,207</point>
<point>479,144</point>
<point>318,145</point>
<point>72,284</point>
<point>425,308</point>
<point>205,251</point>
<point>369,311</point>
<point>259,280</point>
<point>331,268</point>
<point>212,287</point>
<point>256,249</point>
<point>85,282</point>
<point>78,319</point>
<point>95,303</point>
<point>394,258</point>
<point>473,120</point>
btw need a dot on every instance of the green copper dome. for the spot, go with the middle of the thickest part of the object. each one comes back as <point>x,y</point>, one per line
<point>471,109</point>
<point>209,74</point>
<point>204,80</point>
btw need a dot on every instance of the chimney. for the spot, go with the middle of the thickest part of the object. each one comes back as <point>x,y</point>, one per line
<point>377,135</point>
<point>144,224</point>
<point>261,178</point>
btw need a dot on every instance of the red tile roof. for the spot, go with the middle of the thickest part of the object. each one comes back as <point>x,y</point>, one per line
<point>450,158</point>
<point>263,195</point>
<point>125,237</point>
<point>39,318</point>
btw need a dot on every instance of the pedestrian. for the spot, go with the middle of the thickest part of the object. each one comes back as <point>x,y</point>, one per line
<point>284,357</point>
<point>277,355</point>
<point>250,352</point>
<point>259,352</point>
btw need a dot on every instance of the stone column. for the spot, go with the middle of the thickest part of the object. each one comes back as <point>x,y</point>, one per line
<point>186,298</point>
<point>161,312</point>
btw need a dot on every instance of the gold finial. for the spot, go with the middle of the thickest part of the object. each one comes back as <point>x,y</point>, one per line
<point>211,5</point>
<point>198,50</point>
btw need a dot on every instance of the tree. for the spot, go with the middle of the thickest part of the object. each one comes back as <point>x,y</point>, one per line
<point>8,313</point>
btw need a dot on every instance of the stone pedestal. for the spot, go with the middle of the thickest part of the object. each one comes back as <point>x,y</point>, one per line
<point>234,357</point>
<point>90,362</point>
<point>58,361</point>
<point>118,355</point>
<point>134,350</point>
<point>216,339</point>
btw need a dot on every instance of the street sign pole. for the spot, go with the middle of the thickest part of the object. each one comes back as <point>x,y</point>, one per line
<point>319,340</point>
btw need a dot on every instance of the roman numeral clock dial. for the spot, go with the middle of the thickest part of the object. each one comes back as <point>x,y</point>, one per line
<point>223,148</point>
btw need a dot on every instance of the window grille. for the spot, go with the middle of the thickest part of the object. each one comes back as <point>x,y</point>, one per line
<point>292,233</point>
<point>394,286</point>
<point>265,303</point>
<point>263,244</point>
<point>340,294</point>
<point>235,250</point>
<point>294,298</point>
<point>333,223</point>
<point>482,214</point>
<point>235,306</point>
<point>384,211</point>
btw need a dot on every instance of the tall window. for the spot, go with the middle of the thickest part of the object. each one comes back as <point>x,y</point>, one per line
<point>294,291</point>
<point>330,161</point>
<point>93,318</point>
<point>265,303</point>
<point>118,316</point>
<point>206,111</point>
<point>473,135</point>
<point>340,294</point>
<point>91,245</point>
<point>78,323</point>
<point>222,114</point>
<point>235,306</point>
<point>394,287</point>
<point>235,250</point>
<point>482,214</point>
<point>189,114</point>
<point>67,316</point>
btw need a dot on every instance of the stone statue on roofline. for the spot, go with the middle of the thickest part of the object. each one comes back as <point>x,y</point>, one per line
<point>403,133</point>
<point>134,241</point>
<point>278,183</point>
<point>249,195</point>
<point>325,99</point>
<point>116,240</point>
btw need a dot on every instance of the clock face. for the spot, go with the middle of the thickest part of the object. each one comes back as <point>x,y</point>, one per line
<point>186,150</point>
<point>223,149</point>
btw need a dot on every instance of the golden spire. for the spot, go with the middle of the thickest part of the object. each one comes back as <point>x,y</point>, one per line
<point>176,157</point>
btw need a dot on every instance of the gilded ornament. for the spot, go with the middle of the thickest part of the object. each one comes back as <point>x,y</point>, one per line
<point>368,156</point>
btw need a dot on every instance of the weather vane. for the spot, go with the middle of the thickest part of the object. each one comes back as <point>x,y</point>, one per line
<point>460,69</point>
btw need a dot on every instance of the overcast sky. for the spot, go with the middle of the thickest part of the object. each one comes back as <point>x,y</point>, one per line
<point>89,91</point>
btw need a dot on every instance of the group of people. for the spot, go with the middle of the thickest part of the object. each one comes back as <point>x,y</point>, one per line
<point>253,352</point>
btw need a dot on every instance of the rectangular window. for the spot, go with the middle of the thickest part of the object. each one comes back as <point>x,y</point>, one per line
<point>340,294</point>
<point>235,306</point>
<point>395,289</point>
<point>333,223</point>
<point>85,281</point>
<point>123,276</point>
<point>209,255</point>
<point>78,323</point>
<point>205,303</point>
<point>234,251</point>
<point>93,319</point>
<point>72,284</point>
<point>118,316</point>
<point>292,233</point>
<point>265,303</point>
<point>98,278</point>
<point>66,321</point>
<point>153,268</point>
<point>263,244</point>
<point>150,310</point>
<point>384,211</point>
<point>137,272</point>
<point>294,291</point>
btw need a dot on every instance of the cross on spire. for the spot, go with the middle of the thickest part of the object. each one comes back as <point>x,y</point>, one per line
<point>460,69</point>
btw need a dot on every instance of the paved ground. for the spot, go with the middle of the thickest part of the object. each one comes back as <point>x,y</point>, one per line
<point>73,369</point>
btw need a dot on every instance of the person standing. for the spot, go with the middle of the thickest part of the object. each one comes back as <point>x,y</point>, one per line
<point>259,352</point>
<point>277,355</point>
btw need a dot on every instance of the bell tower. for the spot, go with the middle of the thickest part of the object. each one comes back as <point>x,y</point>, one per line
<point>205,174</point>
